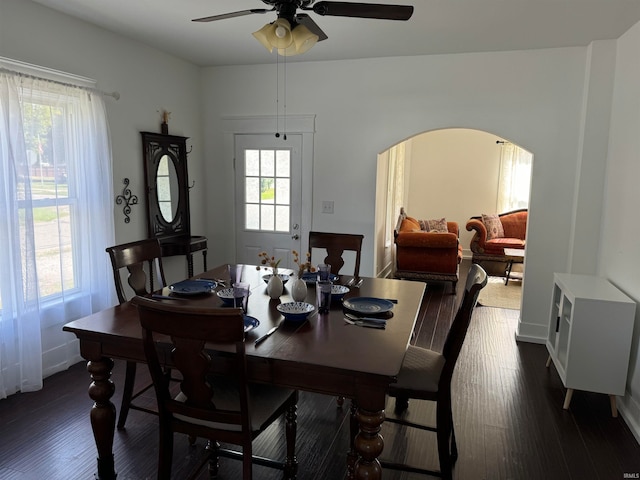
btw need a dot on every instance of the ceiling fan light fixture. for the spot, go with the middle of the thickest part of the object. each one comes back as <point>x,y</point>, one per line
<point>303,39</point>
<point>262,36</point>
<point>275,35</point>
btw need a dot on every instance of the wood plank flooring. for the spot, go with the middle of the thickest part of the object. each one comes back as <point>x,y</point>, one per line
<point>507,412</point>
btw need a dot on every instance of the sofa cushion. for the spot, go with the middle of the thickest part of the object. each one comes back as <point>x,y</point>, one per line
<point>493,225</point>
<point>497,245</point>
<point>435,226</point>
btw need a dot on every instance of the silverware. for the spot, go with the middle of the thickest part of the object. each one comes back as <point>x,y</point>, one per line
<point>266,335</point>
<point>365,323</point>
<point>357,285</point>
<point>356,318</point>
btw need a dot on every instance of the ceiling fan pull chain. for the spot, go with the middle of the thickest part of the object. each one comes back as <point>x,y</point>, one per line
<point>284,100</point>
<point>277,97</point>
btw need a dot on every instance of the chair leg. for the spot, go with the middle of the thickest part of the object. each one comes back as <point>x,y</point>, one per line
<point>444,432</point>
<point>454,446</point>
<point>340,400</point>
<point>165,453</point>
<point>247,462</point>
<point>214,463</point>
<point>352,455</point>
<point>291,427</point>
<point>402,403</point>
<point>127,393</point>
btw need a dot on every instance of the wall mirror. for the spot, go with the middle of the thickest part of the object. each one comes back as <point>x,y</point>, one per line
<point>166,184</point>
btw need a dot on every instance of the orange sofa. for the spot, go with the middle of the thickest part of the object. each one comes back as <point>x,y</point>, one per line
<point>514,224</point>
<point>423,255</point>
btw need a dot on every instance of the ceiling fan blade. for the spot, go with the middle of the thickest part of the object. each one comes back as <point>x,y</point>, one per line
<point>307,21</point>
<point>241,13</point>
<point>363,10</point>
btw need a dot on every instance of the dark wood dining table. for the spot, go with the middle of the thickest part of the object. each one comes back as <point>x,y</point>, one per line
<point>323,354</point>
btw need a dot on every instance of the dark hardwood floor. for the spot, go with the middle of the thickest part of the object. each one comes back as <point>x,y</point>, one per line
<point>507,411</point>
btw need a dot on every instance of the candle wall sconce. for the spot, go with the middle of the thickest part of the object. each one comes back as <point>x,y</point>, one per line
<point>128,199</point>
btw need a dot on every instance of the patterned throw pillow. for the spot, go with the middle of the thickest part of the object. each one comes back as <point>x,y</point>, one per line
<point>434,226</point>
<point>493,225</point>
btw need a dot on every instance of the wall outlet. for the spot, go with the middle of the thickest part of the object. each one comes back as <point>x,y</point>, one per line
<point>327,207</point>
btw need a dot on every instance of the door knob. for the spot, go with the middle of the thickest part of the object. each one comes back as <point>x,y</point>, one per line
<point>296,237</point>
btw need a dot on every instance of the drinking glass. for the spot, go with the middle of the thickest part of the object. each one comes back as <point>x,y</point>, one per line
<point>324,272</point>
<point>235,274</point>
<point>323,294</point>
<point>241,291</point>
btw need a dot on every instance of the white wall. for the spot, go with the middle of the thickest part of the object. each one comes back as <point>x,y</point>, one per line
<point>620,256</point>
<point>454,174</point>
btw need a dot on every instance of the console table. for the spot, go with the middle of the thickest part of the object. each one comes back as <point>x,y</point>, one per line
<point>589,339</point>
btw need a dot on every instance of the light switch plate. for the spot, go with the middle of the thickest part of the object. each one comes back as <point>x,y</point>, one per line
<point>327,206</point>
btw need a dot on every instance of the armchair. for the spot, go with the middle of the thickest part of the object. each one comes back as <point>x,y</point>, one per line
<point>425,255</point>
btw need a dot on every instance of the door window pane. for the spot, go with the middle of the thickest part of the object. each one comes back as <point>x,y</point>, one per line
<point>267,190</point>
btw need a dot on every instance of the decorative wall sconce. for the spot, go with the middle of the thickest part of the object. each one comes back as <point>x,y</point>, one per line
<point>128,199</point>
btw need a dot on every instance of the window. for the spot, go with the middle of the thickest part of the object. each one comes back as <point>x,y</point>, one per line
<point>267,190</point>
<point>56,210</point>
<point>53,194</point>
<point>515,178</point>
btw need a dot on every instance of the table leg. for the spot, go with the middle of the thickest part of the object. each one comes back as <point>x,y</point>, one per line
<point>369,444</point>
<point>103,415</point>
<point>190,265</point>
<point>508,273</point>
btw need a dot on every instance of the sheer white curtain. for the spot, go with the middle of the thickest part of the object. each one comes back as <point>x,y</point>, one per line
<point>515,178</point>
<point>56,213</point>
<point>395,188</point>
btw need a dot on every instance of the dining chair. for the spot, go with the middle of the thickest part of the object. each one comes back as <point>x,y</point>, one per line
<point>220,408</point>
<point>335,245</point>
<point>426,375</point>
<point>141,259</point>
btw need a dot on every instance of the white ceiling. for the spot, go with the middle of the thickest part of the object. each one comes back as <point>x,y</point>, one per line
<point>437,27</point>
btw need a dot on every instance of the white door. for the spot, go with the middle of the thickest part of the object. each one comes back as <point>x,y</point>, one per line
<point>268,189</point>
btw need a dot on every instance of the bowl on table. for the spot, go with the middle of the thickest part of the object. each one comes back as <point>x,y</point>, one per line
<point>226,295</point>
<point>295,311</point>
<point>338,291</point>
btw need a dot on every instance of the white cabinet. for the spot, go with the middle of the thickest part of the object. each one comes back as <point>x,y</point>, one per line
<point>590,330</point>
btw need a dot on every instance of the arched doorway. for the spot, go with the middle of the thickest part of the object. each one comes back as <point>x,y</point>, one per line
<point>452,173</point>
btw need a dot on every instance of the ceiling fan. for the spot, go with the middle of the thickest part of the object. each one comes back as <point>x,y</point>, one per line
<point>293,33</point>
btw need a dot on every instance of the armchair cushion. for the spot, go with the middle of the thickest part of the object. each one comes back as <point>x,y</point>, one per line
<point>436,226</point>
<point>493,225</point>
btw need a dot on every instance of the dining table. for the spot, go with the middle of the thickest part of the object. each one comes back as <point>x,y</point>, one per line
<point>322,353</point>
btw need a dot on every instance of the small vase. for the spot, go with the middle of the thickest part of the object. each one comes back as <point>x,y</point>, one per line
<point>299,290</point>
<point>275,287</point>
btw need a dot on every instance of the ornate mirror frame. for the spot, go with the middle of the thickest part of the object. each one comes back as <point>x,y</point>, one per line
<point>156,146</point>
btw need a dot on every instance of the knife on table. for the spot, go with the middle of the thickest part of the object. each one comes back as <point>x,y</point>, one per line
<point>266,335</point>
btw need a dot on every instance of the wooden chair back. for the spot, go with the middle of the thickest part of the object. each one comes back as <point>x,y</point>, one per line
<point>133,256</point>
<point>336,244</point>
<point>476,281</point>
<point>189,329</point>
